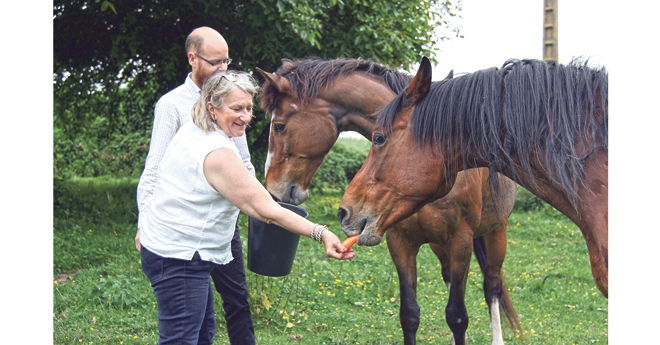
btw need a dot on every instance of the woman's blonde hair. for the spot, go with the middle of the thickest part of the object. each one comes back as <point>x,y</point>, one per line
<point>215,89</point>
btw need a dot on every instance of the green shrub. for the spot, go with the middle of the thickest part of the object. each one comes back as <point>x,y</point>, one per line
<point>341,164</point>
<point>96,198</point>
<point>120,290</point>
<point>91,154</point>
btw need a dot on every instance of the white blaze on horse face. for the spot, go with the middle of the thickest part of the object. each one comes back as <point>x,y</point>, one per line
<point>270,151</point>
<point>496,323</point>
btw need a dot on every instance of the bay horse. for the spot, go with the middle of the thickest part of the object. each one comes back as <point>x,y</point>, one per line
<point>310,102</point>
<point>544,125</point>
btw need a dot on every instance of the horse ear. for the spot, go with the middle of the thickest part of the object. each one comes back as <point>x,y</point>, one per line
<point>450,75</point>
<point>286,63</point>
<point>421,84</point>
<point>281,83</point>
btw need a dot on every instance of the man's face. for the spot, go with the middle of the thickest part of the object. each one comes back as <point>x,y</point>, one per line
<point>213,52</point>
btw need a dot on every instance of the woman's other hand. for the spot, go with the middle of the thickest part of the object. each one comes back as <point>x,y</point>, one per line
<point>137,240</point>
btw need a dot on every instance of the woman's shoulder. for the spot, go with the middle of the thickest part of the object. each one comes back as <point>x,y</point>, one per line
<point>189,128</point>
<point>210,139</point>
<point>222,140</point>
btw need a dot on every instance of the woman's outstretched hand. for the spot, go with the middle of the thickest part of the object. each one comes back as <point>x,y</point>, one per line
<point>334,248</point>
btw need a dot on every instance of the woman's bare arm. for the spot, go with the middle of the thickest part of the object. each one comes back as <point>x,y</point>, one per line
<point>225,172</point>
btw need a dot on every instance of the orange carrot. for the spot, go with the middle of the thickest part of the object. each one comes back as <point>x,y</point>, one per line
<point>347,243</point>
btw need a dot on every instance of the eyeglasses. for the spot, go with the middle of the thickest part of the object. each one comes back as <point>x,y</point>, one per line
<point>226,62</point>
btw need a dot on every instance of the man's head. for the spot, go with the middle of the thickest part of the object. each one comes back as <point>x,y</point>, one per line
<point>207,53</point>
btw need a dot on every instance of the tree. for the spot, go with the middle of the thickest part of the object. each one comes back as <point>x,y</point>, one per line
<point>114,59</point>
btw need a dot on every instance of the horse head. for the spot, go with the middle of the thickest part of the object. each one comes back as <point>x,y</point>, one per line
<point>309,106</point>
<point>387,188</point>
<point>291,160</point>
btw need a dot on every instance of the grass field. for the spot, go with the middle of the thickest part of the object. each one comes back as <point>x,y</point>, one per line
<point>101,296</point>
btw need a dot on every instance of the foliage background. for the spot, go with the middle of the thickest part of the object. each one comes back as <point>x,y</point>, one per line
<point>114,59</point>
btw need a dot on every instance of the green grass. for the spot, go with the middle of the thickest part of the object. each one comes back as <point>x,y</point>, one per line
<point>102,296</point>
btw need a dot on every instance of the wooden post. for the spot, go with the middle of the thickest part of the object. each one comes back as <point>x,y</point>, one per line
<point>550,36</point>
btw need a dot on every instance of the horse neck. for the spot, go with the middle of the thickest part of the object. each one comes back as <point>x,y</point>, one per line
<point>355,100</point>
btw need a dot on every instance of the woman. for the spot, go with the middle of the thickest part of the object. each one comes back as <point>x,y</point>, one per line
<point>202,185</point>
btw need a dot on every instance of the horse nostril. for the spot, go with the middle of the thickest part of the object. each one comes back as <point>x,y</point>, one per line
<point>292,190</point>
<point>341,214</point>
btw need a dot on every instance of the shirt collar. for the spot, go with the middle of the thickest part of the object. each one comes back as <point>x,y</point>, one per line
<point>190,84</point>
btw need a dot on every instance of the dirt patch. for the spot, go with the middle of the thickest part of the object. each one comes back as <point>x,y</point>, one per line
<point>62,278</point>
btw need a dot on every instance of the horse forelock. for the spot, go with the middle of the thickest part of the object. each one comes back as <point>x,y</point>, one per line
<point>529,109</point>
<point>386,116</point>
<point>310,76</point>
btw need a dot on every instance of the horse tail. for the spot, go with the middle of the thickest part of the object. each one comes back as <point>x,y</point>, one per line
<point>479,248</point>
<point>507,306</point>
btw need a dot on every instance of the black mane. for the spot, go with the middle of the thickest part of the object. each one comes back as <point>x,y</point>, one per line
<point>307,77</point>
<point>528,109</point>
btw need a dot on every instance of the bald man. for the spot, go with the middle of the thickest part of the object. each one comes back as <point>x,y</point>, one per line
<point>207,52</point>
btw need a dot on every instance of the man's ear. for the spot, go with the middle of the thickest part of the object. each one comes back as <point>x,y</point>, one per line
<point>192,59</point>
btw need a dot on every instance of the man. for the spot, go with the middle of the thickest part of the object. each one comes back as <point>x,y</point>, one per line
<point>207,53</point>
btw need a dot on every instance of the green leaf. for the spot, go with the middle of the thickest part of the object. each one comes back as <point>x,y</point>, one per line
<point>106,4</point>
<point>266,303</point>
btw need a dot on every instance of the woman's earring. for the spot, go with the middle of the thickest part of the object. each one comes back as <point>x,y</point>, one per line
<point>214,119</point>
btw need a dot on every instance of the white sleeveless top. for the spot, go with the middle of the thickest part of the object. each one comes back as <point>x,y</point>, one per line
<point>186,213</point>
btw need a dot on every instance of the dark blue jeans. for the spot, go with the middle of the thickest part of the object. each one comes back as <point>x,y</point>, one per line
<point>184,296</point>
<point>230,282</point>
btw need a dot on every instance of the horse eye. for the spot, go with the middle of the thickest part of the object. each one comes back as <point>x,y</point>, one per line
<point>378,139</point>
<point>279,127</point>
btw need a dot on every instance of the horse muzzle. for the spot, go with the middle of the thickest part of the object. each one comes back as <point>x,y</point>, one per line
<point>290,193</point>
<point>359,224</point>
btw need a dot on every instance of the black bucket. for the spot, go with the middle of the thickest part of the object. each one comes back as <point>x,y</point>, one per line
<point>271,248</point>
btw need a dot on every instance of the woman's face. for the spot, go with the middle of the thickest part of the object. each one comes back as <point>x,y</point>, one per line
<point>234,114</point>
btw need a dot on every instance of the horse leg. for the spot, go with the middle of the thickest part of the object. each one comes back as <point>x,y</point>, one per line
<point>444,262</point>
<point>598,258</point>
<point>404,256</point>
<point>460,253</point>
<point>495,250</point>
<point>592,217</point>
<point>494,288</point>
